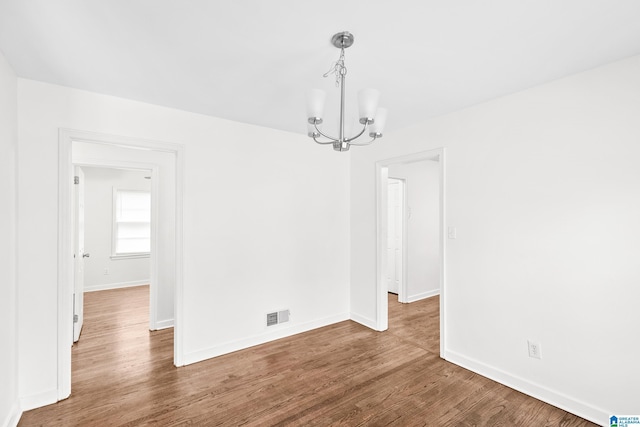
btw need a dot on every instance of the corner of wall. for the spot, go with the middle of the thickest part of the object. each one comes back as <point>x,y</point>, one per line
<point>38,400</point>
<point>13,418</point>
<point>365,321</point>
<point>10,410</point>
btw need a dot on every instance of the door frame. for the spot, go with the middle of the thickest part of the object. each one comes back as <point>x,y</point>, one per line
<point>382,175</point>
<point>65,241</point>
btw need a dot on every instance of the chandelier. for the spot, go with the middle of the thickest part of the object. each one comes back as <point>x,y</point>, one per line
<point>371,117</point>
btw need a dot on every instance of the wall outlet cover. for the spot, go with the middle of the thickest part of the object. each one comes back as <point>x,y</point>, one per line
<point>534,349</point>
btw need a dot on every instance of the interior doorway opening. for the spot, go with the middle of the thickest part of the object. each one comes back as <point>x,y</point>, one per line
<point>423,247</point>
<point>112,232</point>
<point>164,160</point>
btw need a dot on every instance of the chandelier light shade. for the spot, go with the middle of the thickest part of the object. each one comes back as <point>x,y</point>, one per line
<point>371,116</point>
<point>368,103</point>
<point>315,104</point>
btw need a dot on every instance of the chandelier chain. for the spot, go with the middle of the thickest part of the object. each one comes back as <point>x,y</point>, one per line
<point>338,68</point>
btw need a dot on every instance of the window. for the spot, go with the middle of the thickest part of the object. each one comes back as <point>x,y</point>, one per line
<point>131,223</point>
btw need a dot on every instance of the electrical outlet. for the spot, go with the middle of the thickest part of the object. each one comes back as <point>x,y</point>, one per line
<point>534,350</point>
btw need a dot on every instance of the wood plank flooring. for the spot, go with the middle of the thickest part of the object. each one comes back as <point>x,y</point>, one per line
<point>344,374</point>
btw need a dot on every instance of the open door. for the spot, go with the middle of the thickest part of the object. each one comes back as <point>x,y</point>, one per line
<point>78,252</point>
<point>394,240</point>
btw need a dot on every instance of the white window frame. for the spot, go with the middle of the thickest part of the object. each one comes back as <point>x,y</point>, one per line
<point>114,228</point>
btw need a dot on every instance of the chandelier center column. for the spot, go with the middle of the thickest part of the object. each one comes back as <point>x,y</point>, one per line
<point>342,145</point>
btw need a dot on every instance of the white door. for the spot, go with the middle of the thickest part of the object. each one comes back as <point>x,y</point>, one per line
<point>394,238</point>
<point>79,254</point>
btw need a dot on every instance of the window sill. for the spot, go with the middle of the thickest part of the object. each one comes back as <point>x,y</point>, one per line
<point>130,256</point>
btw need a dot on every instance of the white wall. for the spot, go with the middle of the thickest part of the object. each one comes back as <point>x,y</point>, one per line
<point>9,410</point>
<point>423,226</point>
<point>99,185</point>
<point>265,225</point>
<point>543,188</point>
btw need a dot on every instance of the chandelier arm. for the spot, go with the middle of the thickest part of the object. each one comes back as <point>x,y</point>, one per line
<point>323,142</point>
<point>326,136</point>
<point>358,135</point>
<point>364,143</point>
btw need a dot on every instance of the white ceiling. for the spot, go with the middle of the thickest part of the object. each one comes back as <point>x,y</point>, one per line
<point>253,60</point>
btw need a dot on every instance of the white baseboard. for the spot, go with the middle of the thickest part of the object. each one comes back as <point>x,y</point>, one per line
<point>105,287</point>
<point>38,400</point>
<point>281,332</point>
<point>365,321</point>
<point>164,324</point>
<point>423,295</point>
<point>13,417</point>
<point>552,397</point>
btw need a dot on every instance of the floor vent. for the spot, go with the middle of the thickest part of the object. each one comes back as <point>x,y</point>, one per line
<point>277,317</point>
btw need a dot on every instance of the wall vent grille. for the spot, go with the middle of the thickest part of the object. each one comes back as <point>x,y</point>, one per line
<point>272,319</point>
<point>277,317</point>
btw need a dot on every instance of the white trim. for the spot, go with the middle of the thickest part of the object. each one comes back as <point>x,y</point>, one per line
<point>404,292</point>
<point>65,247</point>
<point>38,400</point>
<point>178,331</point>
<point>423,295</point>
<point>163,324</point>
<point>108,286</point>
<point>153,262</point>
<point>381,175</point>
<point>545,394</point>
<point>365,321</point>
<point>382,196</point>
<point>284,331</point>
<point>65,270</point>
<point>138,255</point>
<point>443,249</point>
<point>13,417</point>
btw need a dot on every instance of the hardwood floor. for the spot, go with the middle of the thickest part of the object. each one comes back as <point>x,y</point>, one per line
<point>417,323</point>
<point>344,374</point>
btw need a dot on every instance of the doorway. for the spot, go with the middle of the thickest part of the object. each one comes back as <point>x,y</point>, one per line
<point>165,162</point>
<point>429,261</point>
<point>112,232</point>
